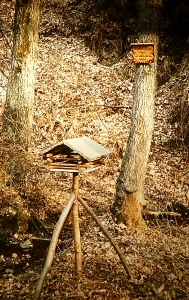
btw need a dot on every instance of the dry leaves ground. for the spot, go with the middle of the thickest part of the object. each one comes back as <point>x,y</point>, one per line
<point>76,96</point>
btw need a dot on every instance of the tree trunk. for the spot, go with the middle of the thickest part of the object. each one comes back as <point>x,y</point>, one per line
<point>130,184</point>
<point>18,113</point>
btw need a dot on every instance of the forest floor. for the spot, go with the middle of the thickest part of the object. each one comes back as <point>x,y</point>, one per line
<point>75,96</point>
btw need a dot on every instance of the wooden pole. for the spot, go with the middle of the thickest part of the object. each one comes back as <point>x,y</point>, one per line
<point>105,231</point>
<point>75,211</point>
<point>52,247</point>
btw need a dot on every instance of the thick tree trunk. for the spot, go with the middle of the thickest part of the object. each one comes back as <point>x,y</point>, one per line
<point>18,113</point>
<point>130,184</point>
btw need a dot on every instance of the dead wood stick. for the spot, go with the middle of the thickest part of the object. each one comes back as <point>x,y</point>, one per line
<point>94,162</point>
<point>65,159</point>
<point>52,246</point>
<point>49,155</point>
<point>105,231</point>
<point>75,211</point>
<point>41,223</point>
<point>40,239</point>
<point>159,213</point>
<point>61,164</point>
<point>70,170</point>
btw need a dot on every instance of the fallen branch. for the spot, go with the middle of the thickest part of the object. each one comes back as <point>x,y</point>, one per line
<point>41,223</point>
<point>105,231</point>
<point>159,213</point>
<point>40,239</point>
<point>52,246</point>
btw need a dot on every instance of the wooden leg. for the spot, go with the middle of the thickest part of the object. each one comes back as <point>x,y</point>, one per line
<point>52,247</point>
<point>75,211</point>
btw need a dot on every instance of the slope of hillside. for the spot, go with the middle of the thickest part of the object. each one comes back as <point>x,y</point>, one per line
<point>76,95</point>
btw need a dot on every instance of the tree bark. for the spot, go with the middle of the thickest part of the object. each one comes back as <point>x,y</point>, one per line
<point>18,112</point>
<point>130,184</point>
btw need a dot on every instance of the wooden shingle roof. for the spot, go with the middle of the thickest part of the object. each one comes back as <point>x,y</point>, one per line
<point>84,146</point>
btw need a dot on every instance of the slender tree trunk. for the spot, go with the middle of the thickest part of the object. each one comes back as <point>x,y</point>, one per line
<point>130,184</point>
<point>18,113</point>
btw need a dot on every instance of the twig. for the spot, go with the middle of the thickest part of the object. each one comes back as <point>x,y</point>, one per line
<point>185,292</point>
<point>101,105</point>
<point>115,106</point>
<point>52,246</point>
<point>4,74</point>
<point>41,223</point>
<point>35,238</point>
<point>105,231</point>
<point>159,213</point>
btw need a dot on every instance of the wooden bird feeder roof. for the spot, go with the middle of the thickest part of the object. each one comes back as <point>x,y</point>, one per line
<point>75,155</point>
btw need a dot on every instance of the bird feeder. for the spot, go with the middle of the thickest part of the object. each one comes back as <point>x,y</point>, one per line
<point>77,155</point>
<point>142,53</point>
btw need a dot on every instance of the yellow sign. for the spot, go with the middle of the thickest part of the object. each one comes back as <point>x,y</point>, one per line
<point>142,53</point>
